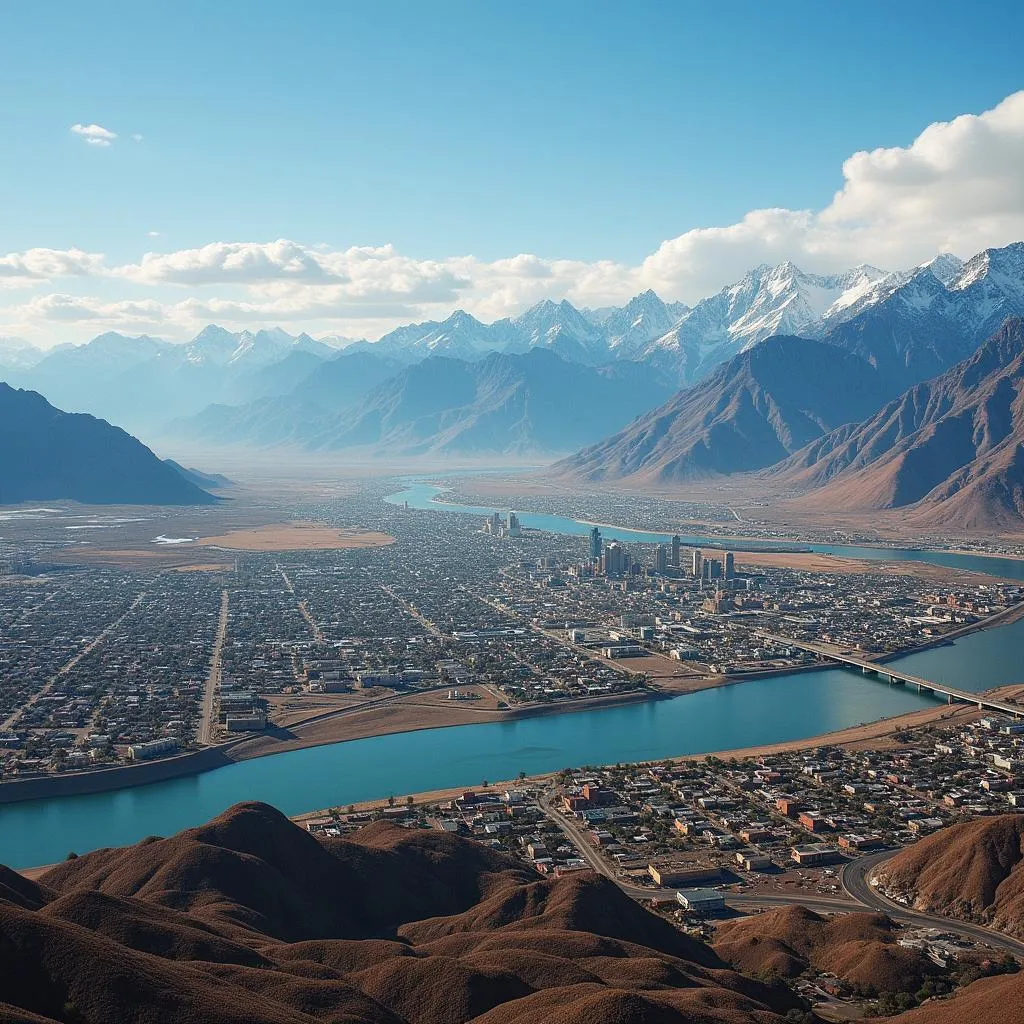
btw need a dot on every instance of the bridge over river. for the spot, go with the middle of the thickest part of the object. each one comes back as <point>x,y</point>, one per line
<point>898,678</point>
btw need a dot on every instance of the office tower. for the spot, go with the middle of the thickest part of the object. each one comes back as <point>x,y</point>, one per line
<point>595,543</point>
<point>514,529</point>
<point>661,558</point>
<point>675,550</point>
<point>730,566</point>
<point>614,560</point>
<point>714,569</point>
<point>697,560</point>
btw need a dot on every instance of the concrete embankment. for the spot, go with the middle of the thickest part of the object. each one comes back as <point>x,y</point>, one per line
<point>104,780</point>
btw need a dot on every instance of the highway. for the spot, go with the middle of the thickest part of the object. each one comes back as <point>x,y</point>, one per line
<point>854,879</point>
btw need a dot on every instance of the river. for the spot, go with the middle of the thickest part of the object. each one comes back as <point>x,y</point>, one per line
<point>761,711</point>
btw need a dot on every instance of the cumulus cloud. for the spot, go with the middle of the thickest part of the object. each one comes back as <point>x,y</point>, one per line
<point>18,269</point>
<point>94,134</point>
<point>957,187</point>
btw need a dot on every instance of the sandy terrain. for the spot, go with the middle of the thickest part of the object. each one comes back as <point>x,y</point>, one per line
<point>297,537</point>
<point>809,561</point>
<point>408,713</point>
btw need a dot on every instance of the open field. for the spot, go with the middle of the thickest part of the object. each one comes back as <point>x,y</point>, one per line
<point>810,561</point>
<point>297,537</point>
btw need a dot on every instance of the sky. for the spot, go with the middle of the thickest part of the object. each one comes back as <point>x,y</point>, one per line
<point>341,167</point>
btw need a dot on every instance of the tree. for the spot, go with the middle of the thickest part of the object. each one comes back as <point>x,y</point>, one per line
<point>409,800</point>
<point>391,801</point>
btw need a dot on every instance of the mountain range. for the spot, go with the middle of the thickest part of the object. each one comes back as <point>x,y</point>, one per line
<point>49,455</point>
<point>756,409</point>
<point>909,324</point>
<point>504,403</point>
<point>768,366</point>
<point>952,448</point>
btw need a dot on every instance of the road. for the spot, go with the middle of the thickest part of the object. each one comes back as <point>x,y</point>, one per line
<point>314,626</point>
<point>12,719</point>
<point>854,878</point>
<point>213,677</point>
<point>420,618</point>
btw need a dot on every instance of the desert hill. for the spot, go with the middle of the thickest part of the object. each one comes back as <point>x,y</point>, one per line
<point>761,406</point>
<point>951,449</point>
<point>249,918</point>
<point>990,999</point>
<point>972,871</point>
<point>861,949</point>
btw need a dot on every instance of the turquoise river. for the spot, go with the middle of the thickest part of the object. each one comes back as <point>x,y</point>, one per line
<point>770,710</point>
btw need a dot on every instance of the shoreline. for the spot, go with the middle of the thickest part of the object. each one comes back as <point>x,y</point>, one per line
<point>879,734</point>
<point>233,751</point>
<point>714,539</point>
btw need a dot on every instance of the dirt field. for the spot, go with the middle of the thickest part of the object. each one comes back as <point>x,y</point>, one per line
<point>297,537</point>
<point>810,561</point>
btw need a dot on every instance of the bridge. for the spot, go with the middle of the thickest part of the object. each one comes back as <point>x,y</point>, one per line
<point>898,678</point>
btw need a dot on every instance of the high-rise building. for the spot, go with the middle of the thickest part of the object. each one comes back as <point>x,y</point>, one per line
<point>661,558</point>
<point>595,543</point>
<point>514,529</point>
<point>675,550</point>
<point>697,564</point>
<point>730,566</point>
<point>615,560</point>
<point>714,569</point>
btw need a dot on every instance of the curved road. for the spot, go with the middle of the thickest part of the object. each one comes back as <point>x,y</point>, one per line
<point>854,879</point>
<point>855,876</point>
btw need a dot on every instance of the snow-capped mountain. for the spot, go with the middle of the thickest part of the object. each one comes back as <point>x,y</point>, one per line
<point>917,325</point>
<point>219,347</point>
<point>461,336</point>
<point>910,325</point>
<point>635,325</point>
<point>16,354</point>
<point>561,328</point>
<point>769,301</point>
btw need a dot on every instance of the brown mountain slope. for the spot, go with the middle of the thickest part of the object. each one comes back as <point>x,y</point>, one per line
<point>971,871</point>
<point>756,409</point>
<point>950,450</point>
<point>859,948</point>
<point>997,1000</point>
<point>251,919</point>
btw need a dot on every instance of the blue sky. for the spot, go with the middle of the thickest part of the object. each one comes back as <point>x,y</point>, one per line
<point>586,132</point>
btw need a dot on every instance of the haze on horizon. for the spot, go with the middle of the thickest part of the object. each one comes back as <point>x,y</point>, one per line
<point>254,176</point>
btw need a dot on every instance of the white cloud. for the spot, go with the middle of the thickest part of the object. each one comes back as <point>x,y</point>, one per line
<point>957,187</point>
<point>18,269</point>
<point>136,137</point>
<point>94,134</point>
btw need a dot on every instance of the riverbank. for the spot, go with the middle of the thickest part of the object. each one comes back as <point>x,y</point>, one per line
<point>880,735</point>
<point>411,714</point>
<point>416,712</point>
<point>122,776</point>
